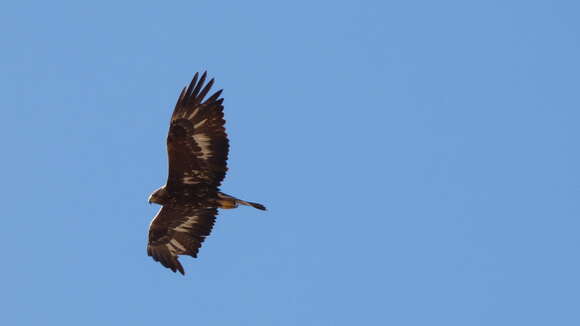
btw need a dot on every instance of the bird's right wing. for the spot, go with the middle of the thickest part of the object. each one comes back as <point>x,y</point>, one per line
<point>178,231</point>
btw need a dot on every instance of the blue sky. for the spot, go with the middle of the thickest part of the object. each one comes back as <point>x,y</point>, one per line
<point>419,160</point>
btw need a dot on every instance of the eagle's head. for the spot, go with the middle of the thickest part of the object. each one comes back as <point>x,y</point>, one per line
<point>159,196</point>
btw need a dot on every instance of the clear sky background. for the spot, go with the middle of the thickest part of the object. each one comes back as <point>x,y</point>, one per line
<point>419,160</point>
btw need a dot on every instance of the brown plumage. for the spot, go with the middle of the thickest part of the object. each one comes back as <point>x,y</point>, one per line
<point>197,146</point>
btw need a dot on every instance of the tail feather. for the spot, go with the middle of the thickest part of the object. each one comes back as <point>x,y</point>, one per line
<point>255,205</point>
<point>227,201</point>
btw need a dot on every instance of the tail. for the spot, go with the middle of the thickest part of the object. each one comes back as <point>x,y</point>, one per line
<point>227,201</point>
<point>255,205</point>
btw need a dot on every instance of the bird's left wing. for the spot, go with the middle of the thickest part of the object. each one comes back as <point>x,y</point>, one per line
<point>178,231</point>
<point>197,143</point>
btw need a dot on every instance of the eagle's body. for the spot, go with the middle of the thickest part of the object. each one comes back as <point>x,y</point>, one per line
<point>197,147</point>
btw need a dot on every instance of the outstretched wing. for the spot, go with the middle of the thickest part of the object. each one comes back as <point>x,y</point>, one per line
<point>197,143</point>
<point>178,231</point>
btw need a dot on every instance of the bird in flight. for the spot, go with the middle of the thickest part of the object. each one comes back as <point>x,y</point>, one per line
<point>197,146</point>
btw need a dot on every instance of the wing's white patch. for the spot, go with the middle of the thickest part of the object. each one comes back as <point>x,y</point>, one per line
<point>193,114</point>
<point>203,141</point>
<point>177,245</point>
<point>172,249</point>
<point>199,123</point>
<point>189,180</point>
<point>187,225</point>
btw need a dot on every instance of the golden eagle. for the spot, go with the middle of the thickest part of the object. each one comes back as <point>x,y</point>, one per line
<point>197,146</point>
